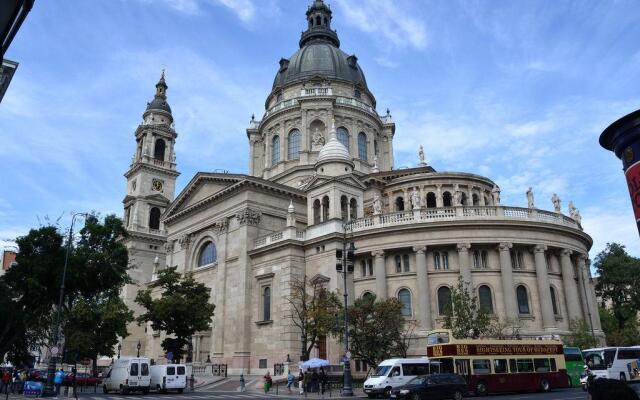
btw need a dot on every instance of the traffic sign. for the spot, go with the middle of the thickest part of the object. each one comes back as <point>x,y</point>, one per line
<point>348,354</point>
<point>54,351</point>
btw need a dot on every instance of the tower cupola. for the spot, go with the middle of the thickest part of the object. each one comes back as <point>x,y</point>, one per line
<point>319,25</point>
<point>158,107</point>
<point>333,158</point>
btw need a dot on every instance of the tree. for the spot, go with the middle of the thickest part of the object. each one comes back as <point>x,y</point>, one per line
<point>616,336</point>
<point>314,310</point>
<point>464,316</point>
<point>580,335</point>
<point>181,310</point>
<point>97,270</point>
<point>377,330</point>
<point>500,328</point>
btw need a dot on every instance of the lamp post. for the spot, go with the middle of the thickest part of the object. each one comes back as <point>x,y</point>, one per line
<point>344,264</point>
<point>138,346</point>
<point>51,369</point>
<point>119,348</point>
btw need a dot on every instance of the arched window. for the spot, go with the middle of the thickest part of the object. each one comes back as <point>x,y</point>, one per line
<point>154,218</point>
<point>275,150</point>
<point>436,260</point>
<point>353,208</point>
<point>158,150</point>
<point>404,295</point>
<point>400,203</point>
<point>446,199</point>
<point>293,146</point>
<point>375,147</point>
<point>486,201</point>
<point>486,302</point>
<point>368,296</point>
<point>343,136</point>
<point>523,300</point>
<point>316,211</point>
<point>266,304</point>
<point>431,200</point>
<point>444,299</point>
<point>357,94</point>
<point>207,254</point>
<point>318,20</point>
<point>344,205</point>
<point>325,208</point>
<point>475,199</point>
<point>362,146</point>
<point>554,302</point>
<point>463,199</point>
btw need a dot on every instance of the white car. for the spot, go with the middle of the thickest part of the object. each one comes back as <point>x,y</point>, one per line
<point>393,373</point>
<point>169,377</point>
<point>128,374</point>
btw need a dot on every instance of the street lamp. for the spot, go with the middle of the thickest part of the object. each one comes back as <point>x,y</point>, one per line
<point>119,348</point>
<point>51,369</point>
<point>344,264</point>
<point>138,346</point>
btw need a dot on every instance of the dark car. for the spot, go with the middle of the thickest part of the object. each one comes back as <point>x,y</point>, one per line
<point>435,386</point>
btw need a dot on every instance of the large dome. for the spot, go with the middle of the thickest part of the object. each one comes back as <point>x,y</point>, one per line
<point>319,58</point>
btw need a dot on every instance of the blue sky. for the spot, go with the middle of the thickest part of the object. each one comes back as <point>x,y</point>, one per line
<point>518,91</point>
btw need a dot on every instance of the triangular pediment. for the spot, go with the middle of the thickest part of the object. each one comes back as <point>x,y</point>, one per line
<point>319,278</point>
<point>202,186</point>
<point>322,180</point>
<point>157,198</point>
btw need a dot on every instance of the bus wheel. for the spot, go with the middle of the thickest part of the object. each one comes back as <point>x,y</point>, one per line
<point>544,385</point>
<point>457,395</point>
<point>481,388</point>
<point>623,377</point>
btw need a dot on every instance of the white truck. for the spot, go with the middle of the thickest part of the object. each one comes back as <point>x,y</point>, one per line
<point>393,373</point>
<point>128,374</point>
<point>169,377</point>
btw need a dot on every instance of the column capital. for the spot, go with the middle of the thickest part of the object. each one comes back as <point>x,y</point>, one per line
<point>582,257</point>
<point>463,246</point>
<point>540,248</point>
<point>505,246</point>
<point>420,249</point>
<point>377,253</point>
<point>439,185</point>
<point>566,252</point>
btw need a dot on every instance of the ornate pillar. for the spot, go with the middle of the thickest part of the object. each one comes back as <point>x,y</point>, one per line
<point>588,294</point>
<point>439,201</point>
<point>463,262</point>
<point>508,289</point>
<point>381,274</point>
<point>405,198</point>
<point>569,285</point>
<point>544,294</point>
<point>424,308</point>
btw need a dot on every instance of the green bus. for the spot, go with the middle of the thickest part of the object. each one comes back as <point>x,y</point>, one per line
<point>575,365</point>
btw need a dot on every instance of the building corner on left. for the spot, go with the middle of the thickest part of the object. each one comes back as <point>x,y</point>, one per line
<point>12,15</point>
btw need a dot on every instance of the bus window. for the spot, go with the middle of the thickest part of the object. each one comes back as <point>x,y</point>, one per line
<point>382,370</point>
<point>553,364</point>
<point>572,354</point>
<point>628,354</point>
<point>500,366</point>
<point>512,366</point>
<point>609,356</point>
<point>446,366</point>
<point>481,367</point>
<point>438,338</point>
<point>525,365</point>
<point>595,361</point>
<point>395,371</point>
<point>541,364</point>
<point>462,365</point>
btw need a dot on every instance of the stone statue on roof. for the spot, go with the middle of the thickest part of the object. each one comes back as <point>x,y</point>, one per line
<point>556,203</point>
<point>495,194</point>
<point>530,198</point>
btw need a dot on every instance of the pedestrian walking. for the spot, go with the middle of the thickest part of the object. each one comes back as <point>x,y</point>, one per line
<point>301,381</point>
<point>315,382</point>
<point>57,381</point>
<point>267,381</point>
<point>323,380</point>
<point>6,381</point>
<point>242,385</point>
<point>290,379</point>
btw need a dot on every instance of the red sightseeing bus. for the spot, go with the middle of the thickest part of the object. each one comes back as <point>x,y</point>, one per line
<point>497,365</point>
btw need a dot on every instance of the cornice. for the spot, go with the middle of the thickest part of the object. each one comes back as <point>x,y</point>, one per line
<point>150,167</point>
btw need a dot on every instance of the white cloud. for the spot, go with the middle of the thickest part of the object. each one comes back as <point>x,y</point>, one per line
<point>387,21</point>
<point>611,225</point>
<point>244,9</point>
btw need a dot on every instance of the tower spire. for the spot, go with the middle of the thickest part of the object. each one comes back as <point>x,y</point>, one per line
<point>319,25</point>
<point>159,102</point>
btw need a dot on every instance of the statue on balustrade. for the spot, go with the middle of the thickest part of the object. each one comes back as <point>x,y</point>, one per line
<point>375,164</point>
<point>530,198</point>
<point>577,217</point>
<point>495,194</point>
<point>318,138</point>
<point>422,162</point>
<point>456,194</point>
<point>415,199</point>
<point>377,206</point>
<point>556,203</point>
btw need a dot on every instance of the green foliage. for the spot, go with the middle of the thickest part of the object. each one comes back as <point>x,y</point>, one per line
<point>615,335</point>
<point>96,271</point>
<point>314,310</point>
<point>580,335</point>
<point>181,309</point>
<point>377,330</point>
<point>464,316</point>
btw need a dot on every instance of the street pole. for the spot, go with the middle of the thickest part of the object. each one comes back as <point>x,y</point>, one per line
<point>347,389</point>
<point>51,370</point>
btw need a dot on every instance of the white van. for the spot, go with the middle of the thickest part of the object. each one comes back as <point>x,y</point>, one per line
<point>169,377</point>
<point>613,362</point>
<point>128,374</point>
<point>393,373</point>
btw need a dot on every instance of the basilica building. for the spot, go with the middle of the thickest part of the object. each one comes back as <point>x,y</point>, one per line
<point>321,172</point>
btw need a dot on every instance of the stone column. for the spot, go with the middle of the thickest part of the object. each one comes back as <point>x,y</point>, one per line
<point>588,295</point>
<point>381,275</point>
<point>463,263</point>
<point>544,294</point>
<point>424,306</point>
<point>570,286</point>
<point>508,289</point>
<point>439,201</point>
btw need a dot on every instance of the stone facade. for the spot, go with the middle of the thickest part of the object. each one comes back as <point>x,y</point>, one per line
<point>320,170</point>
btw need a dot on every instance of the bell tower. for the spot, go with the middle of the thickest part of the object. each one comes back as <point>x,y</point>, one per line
<point>151,182</point>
